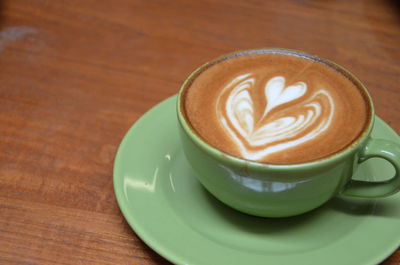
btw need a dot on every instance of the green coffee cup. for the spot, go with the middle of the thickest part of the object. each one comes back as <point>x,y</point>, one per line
<point>282,190</point>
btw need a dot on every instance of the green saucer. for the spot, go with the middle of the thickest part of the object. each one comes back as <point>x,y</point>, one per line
<point>168,208</point>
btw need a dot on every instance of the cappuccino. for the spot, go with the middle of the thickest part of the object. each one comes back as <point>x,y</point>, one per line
<point>275,106</point>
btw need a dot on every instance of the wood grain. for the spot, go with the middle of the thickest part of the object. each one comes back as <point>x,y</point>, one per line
<point>75,75</point>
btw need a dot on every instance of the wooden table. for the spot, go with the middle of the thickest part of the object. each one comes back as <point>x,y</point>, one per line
<point>75,75</point>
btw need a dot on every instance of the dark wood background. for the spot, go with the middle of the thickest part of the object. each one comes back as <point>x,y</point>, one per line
<point>75,75</point>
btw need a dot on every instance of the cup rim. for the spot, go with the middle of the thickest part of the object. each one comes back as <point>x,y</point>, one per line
<point>228,158</point>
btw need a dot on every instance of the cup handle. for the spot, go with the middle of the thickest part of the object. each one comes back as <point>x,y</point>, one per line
<point>381,148</point>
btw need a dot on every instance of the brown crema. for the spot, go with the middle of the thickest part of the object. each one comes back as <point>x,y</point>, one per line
<point>275,107</point>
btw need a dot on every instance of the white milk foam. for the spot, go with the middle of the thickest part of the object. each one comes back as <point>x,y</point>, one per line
<point>261,140</point>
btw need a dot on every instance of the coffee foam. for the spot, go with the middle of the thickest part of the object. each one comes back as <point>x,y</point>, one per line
<point>275,108</point>
<point>258,139</point>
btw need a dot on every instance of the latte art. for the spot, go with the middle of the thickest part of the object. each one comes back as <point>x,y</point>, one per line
<point>256,139</point>
<point>275,107</point>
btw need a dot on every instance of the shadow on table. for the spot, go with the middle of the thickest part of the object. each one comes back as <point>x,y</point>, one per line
<point>383,34</point>
<point>396,5</point>
<point>2,14</point>
<point>154,256</point>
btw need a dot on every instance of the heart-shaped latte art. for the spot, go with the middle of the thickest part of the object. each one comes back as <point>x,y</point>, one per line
<point>256,139</point>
